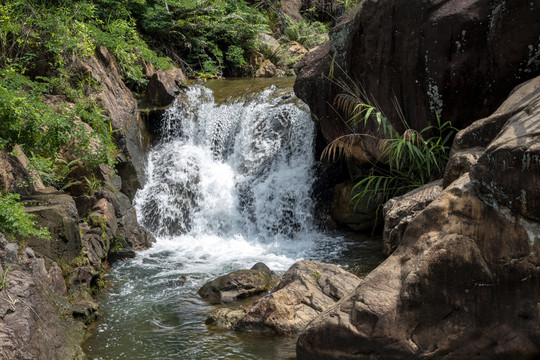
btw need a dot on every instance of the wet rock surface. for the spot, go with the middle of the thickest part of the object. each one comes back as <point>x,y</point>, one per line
<point>239,284</point>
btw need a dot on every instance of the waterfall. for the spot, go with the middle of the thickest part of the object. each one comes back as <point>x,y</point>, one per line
<point>229,185</point>
<point>237,175</point>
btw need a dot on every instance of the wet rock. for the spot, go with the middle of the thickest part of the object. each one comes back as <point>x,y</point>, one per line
<point>465,276</point>
<point>135,236</point>
<point>399,211</point>
<point>163,86</point>
<point>345,211</point>
<point>457,58</point>
<point>509,169</point>
<point>224,318</point>
<point>239,284</point>
<point>85,311</point>
<point>306,290</point>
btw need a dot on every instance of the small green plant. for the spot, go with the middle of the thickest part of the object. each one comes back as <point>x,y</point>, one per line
<point>404,161</point>
<point>308,34</point>
<point>4,281</point>
<point>92,185</point>
<point>15,222</point>
<point>317,275</point>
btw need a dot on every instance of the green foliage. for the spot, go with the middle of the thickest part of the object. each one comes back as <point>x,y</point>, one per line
<point>92,185</point>
<point>15,222</point>
<point>308,34</point>
<point>405,161</point>
<point>4,281</point>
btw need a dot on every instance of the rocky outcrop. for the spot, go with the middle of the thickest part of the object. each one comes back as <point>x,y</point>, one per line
<point>57,212</point>
<point>307,289</point>
<point>427,55</point>
<point>239,284</point>
<point>163,86</point>
<point>509,169</point>
<point>465,280</point>
<point>429,298</point>
<point>35,319</point>
<point>398,212</point>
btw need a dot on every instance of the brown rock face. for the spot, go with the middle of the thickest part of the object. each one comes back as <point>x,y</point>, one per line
<point>458,58</point>
<point>464,283</point>
<point>163,86</point>
<point>57,212</point>
<point>307,289</point>
<point>509,169</point>
<point>399,212</point>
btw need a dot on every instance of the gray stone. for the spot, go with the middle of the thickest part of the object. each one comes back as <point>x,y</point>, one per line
<point>239,284</point>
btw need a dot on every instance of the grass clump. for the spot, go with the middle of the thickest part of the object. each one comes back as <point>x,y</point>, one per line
<point>404,161</point>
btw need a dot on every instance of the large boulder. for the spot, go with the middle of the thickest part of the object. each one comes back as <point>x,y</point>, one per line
<point>509,169</point>
<point>398,212</point>
<point>463,283</point>
<point>471,142</point>
<point>428,56</point>
<point>306,290</point>
<point>163,86</point>
<point>239,284</point>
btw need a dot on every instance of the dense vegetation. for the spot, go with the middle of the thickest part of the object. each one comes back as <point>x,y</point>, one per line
<point>49,107</point>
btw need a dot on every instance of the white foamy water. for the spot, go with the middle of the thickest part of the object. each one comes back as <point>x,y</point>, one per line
<point>231,184</point>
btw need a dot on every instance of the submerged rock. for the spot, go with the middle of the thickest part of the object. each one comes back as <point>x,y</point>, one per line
<point>307,289</point>
<point>239,284</point>
<point>224,318</point>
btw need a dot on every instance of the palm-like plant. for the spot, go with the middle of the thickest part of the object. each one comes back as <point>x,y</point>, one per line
<point>401,162</point>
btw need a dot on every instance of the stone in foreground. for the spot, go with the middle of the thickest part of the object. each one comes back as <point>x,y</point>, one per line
<point>239,284</point>
<point>307,289</point>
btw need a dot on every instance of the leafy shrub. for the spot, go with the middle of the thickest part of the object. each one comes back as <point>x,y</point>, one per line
<point>15,222</point>
<point>405,161</point>
<point>308,34</point>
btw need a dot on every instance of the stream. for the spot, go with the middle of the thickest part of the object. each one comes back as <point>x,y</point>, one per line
<point>230,184</point>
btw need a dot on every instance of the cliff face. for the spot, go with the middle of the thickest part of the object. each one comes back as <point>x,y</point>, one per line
<point>464,280</point>
<point>88,230</point>
<point>455,58</point>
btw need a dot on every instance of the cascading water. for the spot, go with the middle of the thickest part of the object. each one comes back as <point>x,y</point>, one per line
<point>229,185</point>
